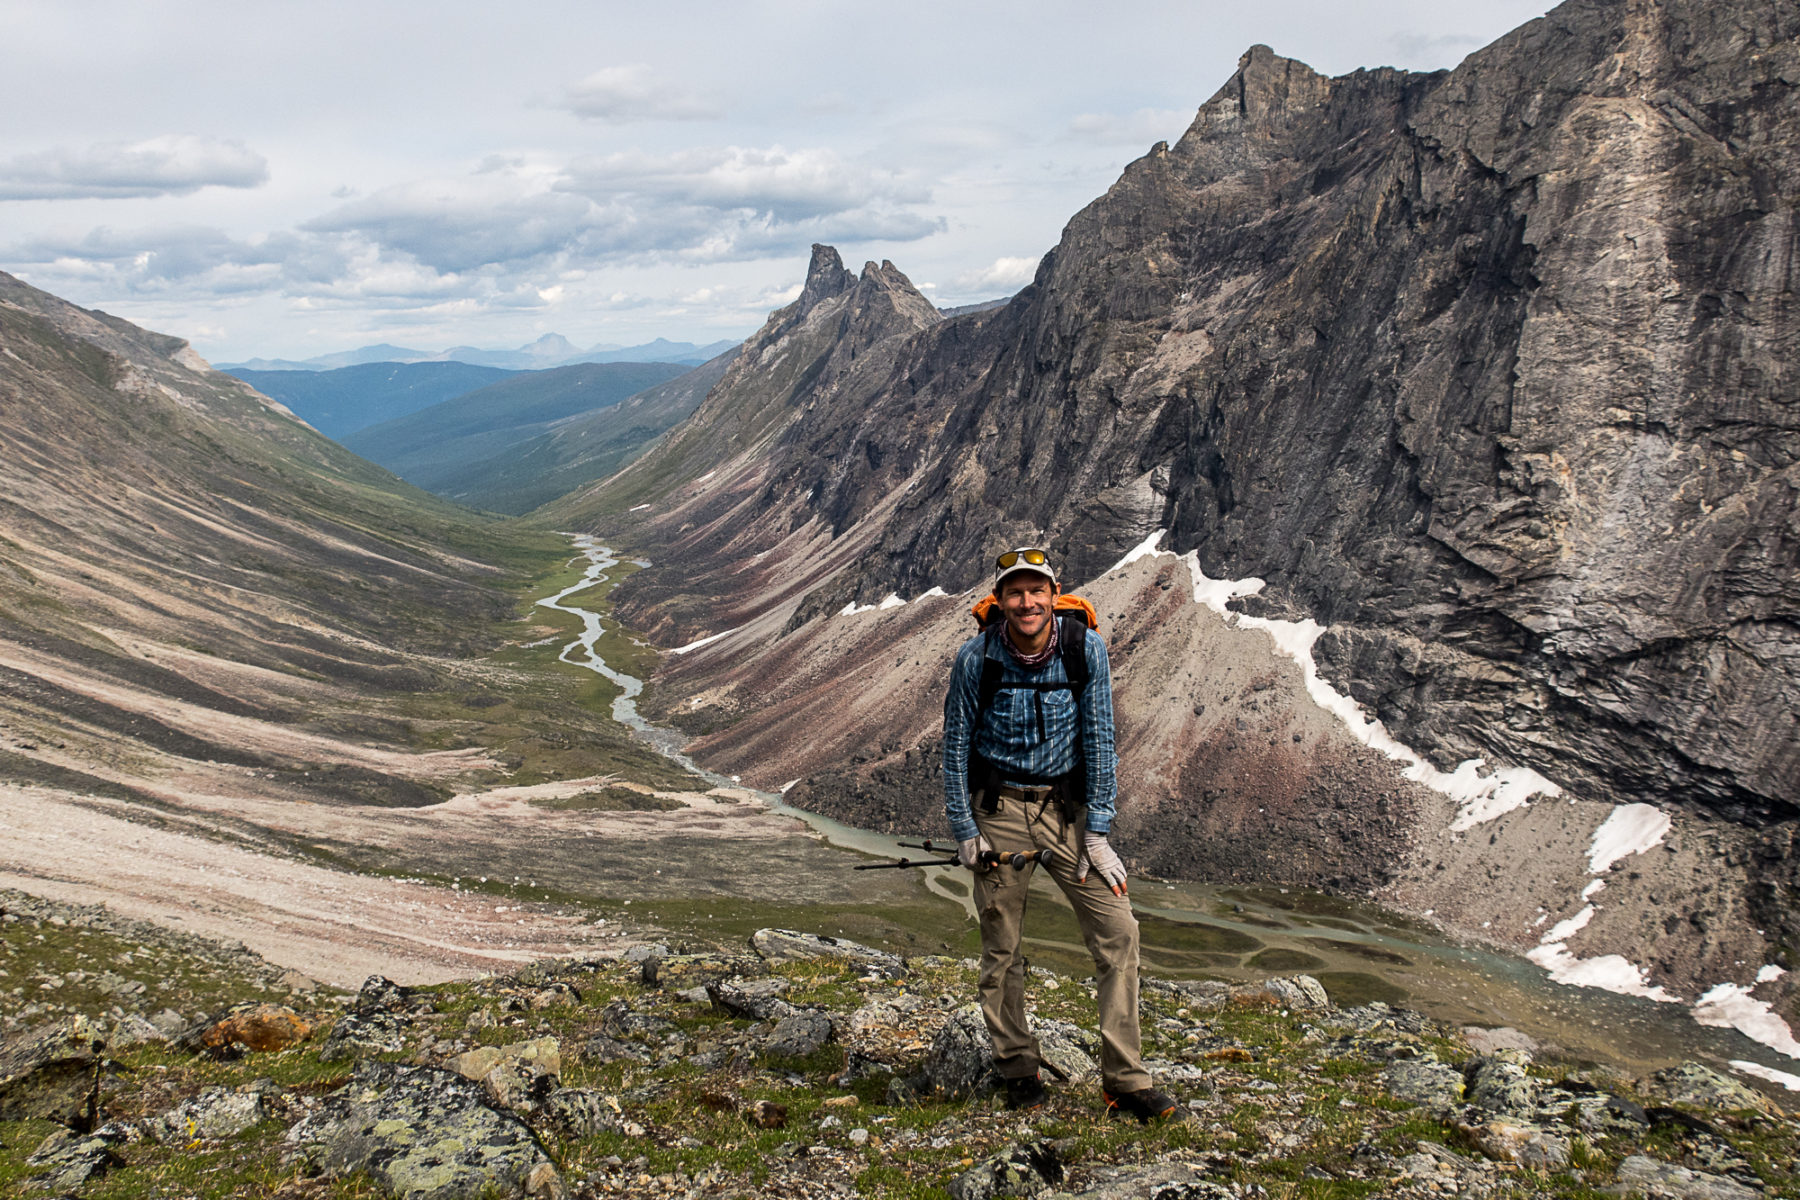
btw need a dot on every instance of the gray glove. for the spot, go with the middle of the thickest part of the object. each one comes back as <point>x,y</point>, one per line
<point>1099,855</point>
<point>969,853</point>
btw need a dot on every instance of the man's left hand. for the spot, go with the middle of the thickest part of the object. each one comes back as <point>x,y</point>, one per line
<point>1101,857</point>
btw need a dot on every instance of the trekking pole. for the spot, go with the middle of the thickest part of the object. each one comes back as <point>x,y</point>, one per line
<point>905,863</point>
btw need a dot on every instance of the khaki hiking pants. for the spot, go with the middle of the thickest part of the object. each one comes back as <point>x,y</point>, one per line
<point>1027,822</point>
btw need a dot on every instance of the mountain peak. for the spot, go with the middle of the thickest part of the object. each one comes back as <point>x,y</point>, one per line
<point>826,276</point>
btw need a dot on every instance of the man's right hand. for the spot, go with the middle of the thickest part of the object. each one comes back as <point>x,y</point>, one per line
<point>969,853</point>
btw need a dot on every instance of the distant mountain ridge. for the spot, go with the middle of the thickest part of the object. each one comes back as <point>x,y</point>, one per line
<point>434,446</point>
<point>551,350</point>
<point>339,402</point>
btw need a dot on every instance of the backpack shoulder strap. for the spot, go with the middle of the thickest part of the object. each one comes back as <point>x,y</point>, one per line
<point>989,685</point>
<point>1073,650</point>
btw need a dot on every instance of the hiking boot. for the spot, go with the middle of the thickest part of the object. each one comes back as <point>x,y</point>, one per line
<point>1146,1105</point>
<point>1027,1091</point>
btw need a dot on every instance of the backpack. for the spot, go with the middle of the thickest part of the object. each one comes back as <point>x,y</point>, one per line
<point>1075,616</point>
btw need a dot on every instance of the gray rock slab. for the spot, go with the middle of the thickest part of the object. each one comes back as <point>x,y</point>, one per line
<point>1643,1176</point>
<point>1425,1082</point>
<point>52,1073</point>
<point>1020,1170</point>
<point>421,1132</point>
<point>213,1115</point>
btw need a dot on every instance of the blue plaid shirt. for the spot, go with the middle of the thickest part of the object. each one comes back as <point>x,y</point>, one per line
<point>1008,736</point>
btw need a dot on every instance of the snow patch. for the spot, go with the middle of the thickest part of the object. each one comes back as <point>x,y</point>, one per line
<point>852,608</point>
<point>892,600</point>
<point>705,641</point>
<point>1628,829</point>
<point>706,477</point>
<point>1790,1082</point>
<point>1482,797</point>
<point>936,591</point>
<point>1562,931</point>
<point>1609,972</point>
<point>637,508</point>
<point>1769,973</point>
<point>1730,1006</point>
<point>783,789</point>
<point>1595,886</point>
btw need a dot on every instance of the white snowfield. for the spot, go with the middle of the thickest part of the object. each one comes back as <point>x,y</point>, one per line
<point>705,641</point>
<point>1629,829</point>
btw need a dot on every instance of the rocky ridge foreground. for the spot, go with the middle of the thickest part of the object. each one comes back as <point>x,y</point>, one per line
<point>1488,371</point>
<point>812,1067</point>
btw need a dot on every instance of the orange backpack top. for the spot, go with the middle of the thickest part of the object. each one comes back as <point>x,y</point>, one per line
<point>987,610</point>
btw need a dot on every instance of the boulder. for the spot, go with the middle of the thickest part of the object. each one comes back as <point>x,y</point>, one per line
<point>376,1022</point>
<point>519,1077</point>
<point>785,945</point>
<point>1068,1050</point>
<point>678,972</point>
<point>801,1033</point>
<point>1163,1181</point>
<point>1702,1087</point>
<point>1297,993</point>
<point>257,1027</point>
<point>751,999</point>
<point>1500,1087</point>
<point>1426,1082</point>
<point>602,1049</point>
<point>215,1114</point>
<point>1639,1175</point>
<point>1019,1170</point>
<point>1505,1037</point>
<point>53,1073</point>
<point>422,1134</point>
<point>69,1160</point>
<point>1515,1142</point>
<point>960,1062</point>
<point>581,1112</point>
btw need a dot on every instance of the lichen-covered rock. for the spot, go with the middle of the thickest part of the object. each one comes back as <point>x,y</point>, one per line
<point>1426,1082</point>
<point>678,972</point>
<point>1516,1142</point>
<point>801,1033</point>
<point>1703,1087</point>
<point>213,1115</point>
<point>1068,1050</point>
<point>581,1112</point>
<point>1500,1087</point>
<point>1158,1181</point>
<point>1020,1170</point>
<point>960,1062</point>
<point>376,1022</point>
<point>519,1077</point>
<point>1297,993</point>
<point>255,1026</point>
<point>69,1160</point>
<point>1643,1176</point>
<point>785,945</point>
<point>421,1132</point>
<point>620,1020</point>
<point>603,1049</point>
<point>52,1073</point>
<point>751,999</point>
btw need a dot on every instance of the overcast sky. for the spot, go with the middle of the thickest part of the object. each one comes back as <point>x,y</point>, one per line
<point>288,178</point>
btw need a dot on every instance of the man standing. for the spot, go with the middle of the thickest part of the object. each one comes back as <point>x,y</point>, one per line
<point>1029,765</point>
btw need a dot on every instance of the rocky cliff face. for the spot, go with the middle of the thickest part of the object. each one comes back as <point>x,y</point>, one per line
<point>1487,371</point>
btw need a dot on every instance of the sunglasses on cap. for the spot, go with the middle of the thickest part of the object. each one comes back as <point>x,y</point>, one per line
<point>1012,558</point>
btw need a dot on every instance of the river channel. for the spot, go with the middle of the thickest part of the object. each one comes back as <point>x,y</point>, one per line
<point>1359,951</point>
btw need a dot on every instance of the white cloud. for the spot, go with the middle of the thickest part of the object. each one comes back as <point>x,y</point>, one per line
<point>1002,275</point>
<point>1140,128</point>
<point>164,166</point>
<point>788,185</point>
<point>632,93</point>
